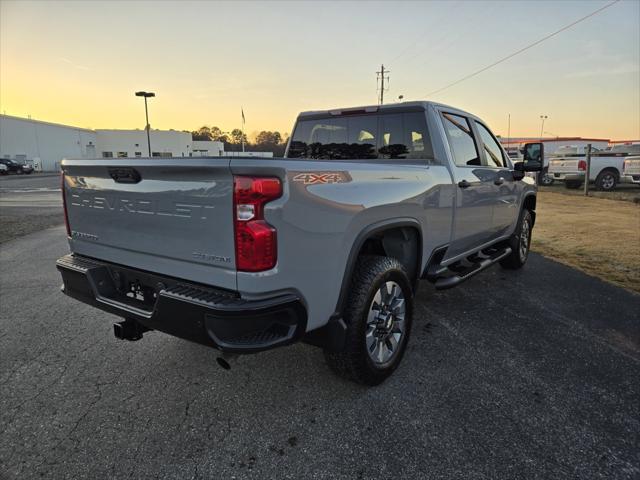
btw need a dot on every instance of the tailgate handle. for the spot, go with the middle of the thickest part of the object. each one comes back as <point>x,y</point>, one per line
<point>124,174</point>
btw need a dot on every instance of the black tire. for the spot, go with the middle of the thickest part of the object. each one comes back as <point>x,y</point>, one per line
<point>545,179</point>
<point>518,257</point>
<point>572,184</point>
<point>354,362</point>
<point>606,180</point>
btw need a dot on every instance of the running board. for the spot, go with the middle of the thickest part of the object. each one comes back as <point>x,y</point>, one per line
<point>459,273</point>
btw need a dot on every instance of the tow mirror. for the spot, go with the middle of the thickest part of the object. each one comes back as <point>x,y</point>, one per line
<point>533,157</point>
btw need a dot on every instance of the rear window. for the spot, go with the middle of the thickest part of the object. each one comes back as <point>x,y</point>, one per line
<point>394,136</point>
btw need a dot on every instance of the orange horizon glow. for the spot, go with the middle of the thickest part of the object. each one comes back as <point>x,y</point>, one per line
<point>79,64</point>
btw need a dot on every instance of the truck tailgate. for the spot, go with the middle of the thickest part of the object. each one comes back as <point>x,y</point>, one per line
<point>168,216</point>
<point>563,165</point>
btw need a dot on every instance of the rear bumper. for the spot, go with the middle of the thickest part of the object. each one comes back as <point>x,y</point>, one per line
<point>205,315</point>
<point>633,178</point>
<point>562,176</point>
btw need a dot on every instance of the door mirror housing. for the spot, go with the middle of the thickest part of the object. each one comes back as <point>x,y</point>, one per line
<point>533,157</point>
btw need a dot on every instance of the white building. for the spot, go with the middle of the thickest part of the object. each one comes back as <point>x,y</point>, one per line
<point>43,144</point>
<point>553,143</point>
<point>207,148</point>
<point>133,143</point>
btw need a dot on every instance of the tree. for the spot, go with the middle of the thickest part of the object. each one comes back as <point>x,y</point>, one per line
<point>237,137</point>
<point>203,133</point>
<point>268,138</point>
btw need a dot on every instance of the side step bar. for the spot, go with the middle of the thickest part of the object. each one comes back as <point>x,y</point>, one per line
<point>453,275</point>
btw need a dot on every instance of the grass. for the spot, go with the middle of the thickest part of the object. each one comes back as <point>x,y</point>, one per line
<point>599,236</point>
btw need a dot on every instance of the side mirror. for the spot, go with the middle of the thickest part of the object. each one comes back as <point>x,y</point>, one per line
<point>533,157</point>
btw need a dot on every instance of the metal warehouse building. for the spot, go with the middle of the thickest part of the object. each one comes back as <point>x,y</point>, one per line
<point>45,144</point>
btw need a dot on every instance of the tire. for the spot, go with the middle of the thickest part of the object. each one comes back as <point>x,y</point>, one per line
<point>519,242</point>
<point>545,179</point>
<point>606,180</point>
<point>573,184</point>
<point>375,323</point>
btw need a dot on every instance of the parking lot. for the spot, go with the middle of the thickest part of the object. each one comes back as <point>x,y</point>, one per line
<point>525,374</point>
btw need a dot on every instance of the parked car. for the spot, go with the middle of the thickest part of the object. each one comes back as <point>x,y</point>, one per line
<point>324,246</point>
<point>631,170</point>
<point>605,171</point>
<point>3,169</point>
<point>14,167</point>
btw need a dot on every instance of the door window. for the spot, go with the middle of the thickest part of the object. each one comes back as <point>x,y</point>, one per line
<point>460,136</point>
<point>492,150</point>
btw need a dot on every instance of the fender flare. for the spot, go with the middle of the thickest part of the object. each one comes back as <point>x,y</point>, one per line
<point>364,234</point>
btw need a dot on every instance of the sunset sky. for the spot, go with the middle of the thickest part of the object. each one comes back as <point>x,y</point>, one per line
<point>79,63</point>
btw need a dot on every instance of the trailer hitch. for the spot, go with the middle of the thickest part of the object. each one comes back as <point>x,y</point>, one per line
<point>129,329</point>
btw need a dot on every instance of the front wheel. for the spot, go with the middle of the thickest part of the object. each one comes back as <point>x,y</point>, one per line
<point>378,317</point>
<point>606,181</point>
<point>519,242</point>
<point>545,178</point>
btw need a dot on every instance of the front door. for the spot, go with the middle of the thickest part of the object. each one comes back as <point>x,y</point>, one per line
<point>475,192</point>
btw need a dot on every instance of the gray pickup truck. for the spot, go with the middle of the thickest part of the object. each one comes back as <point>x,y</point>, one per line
<point>325,245</point>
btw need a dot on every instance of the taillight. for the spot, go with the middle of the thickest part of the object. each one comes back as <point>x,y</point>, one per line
<point>64,205</point>
<point>256,243</point>
<point>582,165</point>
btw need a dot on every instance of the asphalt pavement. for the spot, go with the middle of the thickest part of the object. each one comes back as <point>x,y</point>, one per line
<point>529,374</point>
<point>29,203</point>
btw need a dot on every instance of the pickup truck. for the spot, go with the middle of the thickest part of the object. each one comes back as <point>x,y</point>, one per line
<point>605,171</point>
<point>631,170</point>
<point>325,245</point>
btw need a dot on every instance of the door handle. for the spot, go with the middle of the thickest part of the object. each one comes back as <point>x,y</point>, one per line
<point>499,181</point>
<point>464,184</point>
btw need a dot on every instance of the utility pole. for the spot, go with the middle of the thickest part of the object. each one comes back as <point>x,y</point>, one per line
<point>381,76</point>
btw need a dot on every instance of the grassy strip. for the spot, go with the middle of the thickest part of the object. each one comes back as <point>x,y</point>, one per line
<point>600,237</point>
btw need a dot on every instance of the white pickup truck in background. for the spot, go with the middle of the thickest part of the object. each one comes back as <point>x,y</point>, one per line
<point>631,170</point>
<point>606,167</point>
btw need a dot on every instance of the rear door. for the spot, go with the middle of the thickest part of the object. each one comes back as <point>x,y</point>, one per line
<point>475,195</point>
<point>505,188</point>
<point>168,216</point>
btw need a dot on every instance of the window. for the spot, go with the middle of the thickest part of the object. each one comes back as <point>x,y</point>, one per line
<point>107,154</point>
<point>492,150</point>
<point>123,154</point>
<point>386,136</point>
<point>461,140</point>
<point>415,127</point>
<point>138,154</point>
<point>162,154</point>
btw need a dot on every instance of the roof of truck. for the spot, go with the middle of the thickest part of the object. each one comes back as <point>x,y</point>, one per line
<point>415,105</point>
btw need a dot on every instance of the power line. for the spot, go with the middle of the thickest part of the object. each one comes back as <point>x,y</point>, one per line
<point>566,27</point>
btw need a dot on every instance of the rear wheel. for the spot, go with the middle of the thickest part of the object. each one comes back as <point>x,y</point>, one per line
<point>573,184</point>
<point>378,319</point>
<point>606,181</point>
<point>519,242</point>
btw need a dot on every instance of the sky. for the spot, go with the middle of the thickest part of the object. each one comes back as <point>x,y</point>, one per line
<point>79,63</point>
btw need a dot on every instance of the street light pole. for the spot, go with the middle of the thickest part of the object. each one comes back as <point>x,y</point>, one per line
<point>543,118</point>
<point>146,113</point>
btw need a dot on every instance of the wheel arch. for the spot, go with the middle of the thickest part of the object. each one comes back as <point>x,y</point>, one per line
<point>397,238</point>
<point>529,203</point>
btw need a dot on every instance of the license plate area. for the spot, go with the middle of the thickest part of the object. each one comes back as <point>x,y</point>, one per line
<point>134,289</point>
